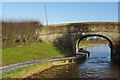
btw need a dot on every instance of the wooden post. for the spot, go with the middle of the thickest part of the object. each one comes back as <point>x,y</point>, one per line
<point>46,16</point>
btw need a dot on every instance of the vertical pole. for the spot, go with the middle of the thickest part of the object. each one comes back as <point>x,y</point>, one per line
<point>46,16</point>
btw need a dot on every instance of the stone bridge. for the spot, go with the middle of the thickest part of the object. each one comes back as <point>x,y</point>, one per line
<point>67,36</point>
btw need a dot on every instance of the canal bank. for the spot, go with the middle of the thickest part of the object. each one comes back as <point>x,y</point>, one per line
<point>25,72</point>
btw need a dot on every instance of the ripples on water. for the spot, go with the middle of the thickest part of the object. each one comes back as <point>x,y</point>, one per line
<point>98,65</point>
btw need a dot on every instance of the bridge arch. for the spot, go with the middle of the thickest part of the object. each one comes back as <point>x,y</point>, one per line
<point>91,35</point>
<point>65,35</point>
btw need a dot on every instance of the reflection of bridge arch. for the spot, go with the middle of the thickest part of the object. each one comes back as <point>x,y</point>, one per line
<point>91,35</point>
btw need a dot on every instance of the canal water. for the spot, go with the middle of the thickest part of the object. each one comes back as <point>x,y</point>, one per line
<point>97,66</point>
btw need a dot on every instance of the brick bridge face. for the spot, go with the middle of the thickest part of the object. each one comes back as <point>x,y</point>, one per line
<point>67,36</point>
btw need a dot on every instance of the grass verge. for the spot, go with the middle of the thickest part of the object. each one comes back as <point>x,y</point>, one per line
<point>30,51</point>
<point>27,71</point>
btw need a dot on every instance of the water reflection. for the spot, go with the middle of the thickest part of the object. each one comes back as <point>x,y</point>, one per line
<point>98,65</point>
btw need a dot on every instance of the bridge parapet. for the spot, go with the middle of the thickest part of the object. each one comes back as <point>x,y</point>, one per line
<point>79,27</point>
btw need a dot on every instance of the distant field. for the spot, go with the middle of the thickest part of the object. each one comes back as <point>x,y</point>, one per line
<point>88,44</point>
<point>31,51</point>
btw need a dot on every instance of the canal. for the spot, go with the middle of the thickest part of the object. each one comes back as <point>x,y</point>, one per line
<point>98,65</point>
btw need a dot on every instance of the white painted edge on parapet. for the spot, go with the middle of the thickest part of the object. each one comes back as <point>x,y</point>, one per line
<point>60,0</point>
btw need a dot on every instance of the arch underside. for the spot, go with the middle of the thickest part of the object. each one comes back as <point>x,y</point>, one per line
<point>90,35</point>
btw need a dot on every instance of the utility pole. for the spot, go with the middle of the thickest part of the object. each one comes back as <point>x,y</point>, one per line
<point>46,16</point>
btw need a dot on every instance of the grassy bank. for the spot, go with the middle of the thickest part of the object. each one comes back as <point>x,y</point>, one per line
<point>30,51</point>
<point>90,44</point>
<point>27,71</point>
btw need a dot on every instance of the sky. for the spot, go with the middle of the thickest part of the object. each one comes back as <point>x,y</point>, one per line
<point>61,12</point>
